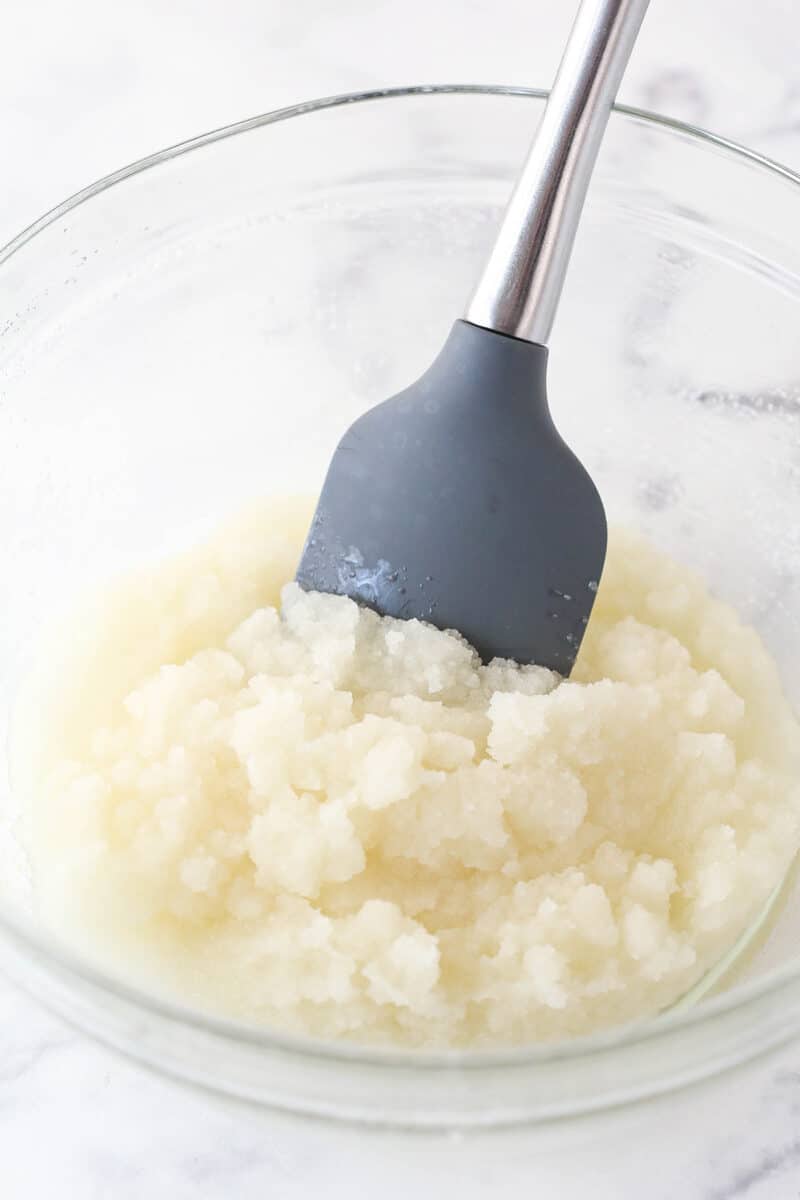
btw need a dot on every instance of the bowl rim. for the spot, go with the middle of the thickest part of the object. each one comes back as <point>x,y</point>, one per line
<point>342,99</point>
<point>25,941</point>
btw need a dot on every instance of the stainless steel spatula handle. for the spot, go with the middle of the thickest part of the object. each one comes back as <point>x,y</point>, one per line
<point>521,284</point>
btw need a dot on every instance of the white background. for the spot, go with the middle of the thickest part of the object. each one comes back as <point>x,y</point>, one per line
<point>86,86</point>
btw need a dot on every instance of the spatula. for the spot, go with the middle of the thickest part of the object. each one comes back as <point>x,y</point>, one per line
<point>457,502</point>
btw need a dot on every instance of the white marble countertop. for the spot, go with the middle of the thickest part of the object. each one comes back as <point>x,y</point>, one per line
<point>87,86</point>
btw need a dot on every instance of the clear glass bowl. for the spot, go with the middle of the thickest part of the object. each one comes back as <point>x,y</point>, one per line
<point>196,330</point>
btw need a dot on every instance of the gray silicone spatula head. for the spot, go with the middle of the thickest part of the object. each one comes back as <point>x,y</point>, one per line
<point>457,502</point>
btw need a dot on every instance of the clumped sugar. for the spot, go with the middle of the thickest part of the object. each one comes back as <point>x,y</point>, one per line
<point>279,806</point>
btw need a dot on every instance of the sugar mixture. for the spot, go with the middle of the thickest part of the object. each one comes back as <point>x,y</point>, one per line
<point>278,806</point>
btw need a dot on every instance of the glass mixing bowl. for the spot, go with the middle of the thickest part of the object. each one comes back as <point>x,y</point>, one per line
<point>196,331</point>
